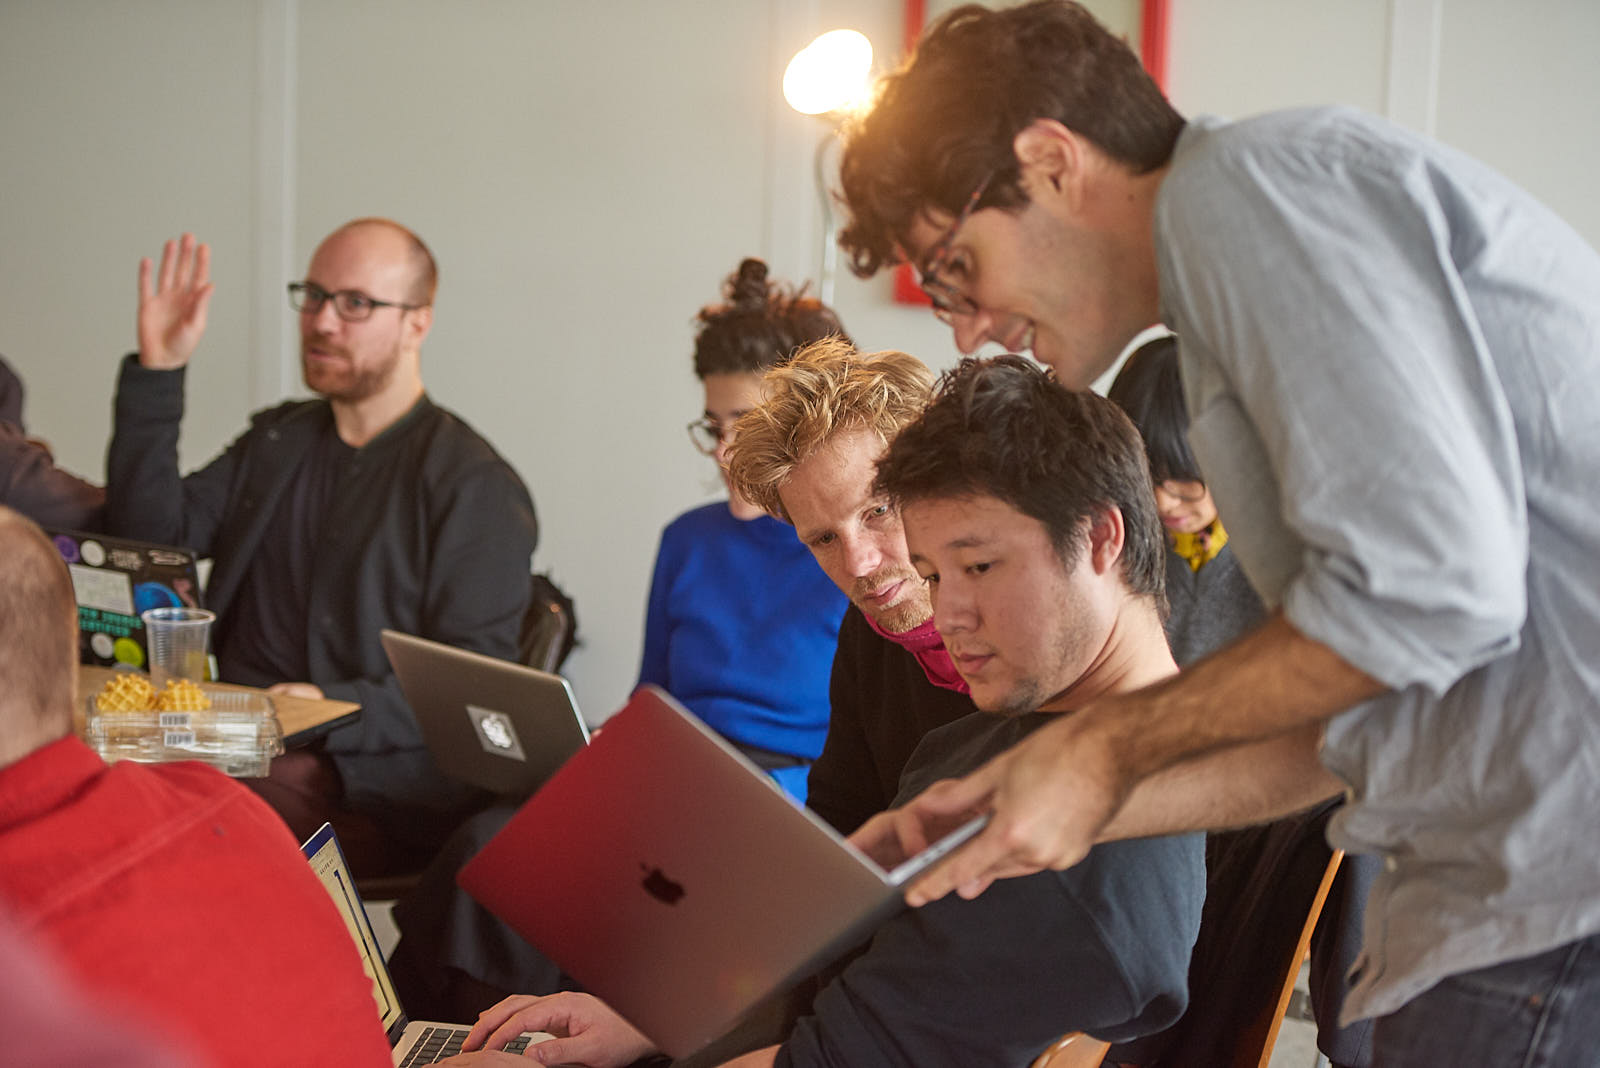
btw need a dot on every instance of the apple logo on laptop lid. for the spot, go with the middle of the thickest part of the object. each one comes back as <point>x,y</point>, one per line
<point>496,733</point>
<point>659,886</point>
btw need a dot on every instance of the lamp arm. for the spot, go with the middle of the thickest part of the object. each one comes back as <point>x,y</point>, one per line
<point>830,241</point>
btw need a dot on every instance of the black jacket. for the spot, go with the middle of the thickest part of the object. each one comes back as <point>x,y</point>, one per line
<point>882,705</point>
<point>431,533</point>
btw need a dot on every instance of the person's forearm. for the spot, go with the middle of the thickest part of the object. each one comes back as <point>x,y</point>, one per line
<point>1272,681</point>
<point>761,1058</point>
<point>1062,789</point>
<point>1233,787</point>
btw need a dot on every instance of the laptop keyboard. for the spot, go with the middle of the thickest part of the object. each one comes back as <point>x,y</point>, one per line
<point>437,1043</point>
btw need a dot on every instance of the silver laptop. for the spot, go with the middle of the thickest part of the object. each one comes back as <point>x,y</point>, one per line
<point>673,879</point>
<point>414,1041</point>
<point>495,724</point>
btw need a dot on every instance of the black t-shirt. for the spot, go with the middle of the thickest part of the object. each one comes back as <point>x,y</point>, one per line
<point>265,641</point>
<point>882,705</point>
<point>1102,947</point>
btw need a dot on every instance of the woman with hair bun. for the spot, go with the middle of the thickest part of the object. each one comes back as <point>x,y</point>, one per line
<point>741,623</point>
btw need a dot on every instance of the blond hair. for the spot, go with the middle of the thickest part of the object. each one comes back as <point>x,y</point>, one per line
<point>828,387</point>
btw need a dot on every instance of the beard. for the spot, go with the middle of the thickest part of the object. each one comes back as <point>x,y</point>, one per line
<point>1073,640</point>
<point>911,611</point>
<point>1023,699</point>
<point>342,380</point>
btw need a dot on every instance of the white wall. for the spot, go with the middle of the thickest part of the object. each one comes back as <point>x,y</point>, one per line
<point>586,173</point>
<point>121,127</point>
<point>1512,83</point>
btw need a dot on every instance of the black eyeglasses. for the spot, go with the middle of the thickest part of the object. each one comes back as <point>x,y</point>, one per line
<point>948,301</point>
<point>707,434</point>
<point>351,305</point>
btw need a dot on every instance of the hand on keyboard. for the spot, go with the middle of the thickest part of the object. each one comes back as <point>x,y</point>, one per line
<point>588,1032</point>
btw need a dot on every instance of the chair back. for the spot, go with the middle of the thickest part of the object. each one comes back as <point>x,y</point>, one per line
<point>1265,887</point>
<point>1074,1050</point>
<point>1269,1026</point>
<point>549,628</point>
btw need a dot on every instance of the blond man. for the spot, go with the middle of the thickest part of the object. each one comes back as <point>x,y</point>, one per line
<point>807,455</point>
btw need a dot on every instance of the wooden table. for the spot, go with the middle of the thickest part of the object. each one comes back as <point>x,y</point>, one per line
<point>300,718</point>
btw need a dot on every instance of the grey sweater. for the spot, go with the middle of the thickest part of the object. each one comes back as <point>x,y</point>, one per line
<point>1210,607</point>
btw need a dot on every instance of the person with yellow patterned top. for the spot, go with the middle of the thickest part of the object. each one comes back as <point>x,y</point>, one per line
<point>1212,601</point>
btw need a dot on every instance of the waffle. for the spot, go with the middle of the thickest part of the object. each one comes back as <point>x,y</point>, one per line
<point>126,692</point>
<point>181,695</point>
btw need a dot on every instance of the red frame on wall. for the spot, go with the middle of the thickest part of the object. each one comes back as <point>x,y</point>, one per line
<point>1154,20</point>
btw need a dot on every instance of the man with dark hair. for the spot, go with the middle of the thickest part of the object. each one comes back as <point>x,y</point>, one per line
<point>1028,512</point>
<point>329,520</point>
<point>168,890</point>
<point>1389,353</point>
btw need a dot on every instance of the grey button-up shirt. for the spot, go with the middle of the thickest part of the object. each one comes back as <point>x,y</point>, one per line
<point>1392,362</point>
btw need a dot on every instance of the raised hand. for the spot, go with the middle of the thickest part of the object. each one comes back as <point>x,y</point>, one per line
<point>172,312</point>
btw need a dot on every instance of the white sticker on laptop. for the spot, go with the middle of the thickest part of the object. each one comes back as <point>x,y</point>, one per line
<point>496,733</point>
<point>109,591</point>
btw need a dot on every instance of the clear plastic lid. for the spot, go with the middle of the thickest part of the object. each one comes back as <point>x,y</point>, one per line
<point>238,734</point>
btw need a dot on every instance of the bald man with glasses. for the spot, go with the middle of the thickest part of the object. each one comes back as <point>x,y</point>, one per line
<point>329,520</point>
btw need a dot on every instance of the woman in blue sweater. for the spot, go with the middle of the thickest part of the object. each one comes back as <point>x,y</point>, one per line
<point>742,624</point>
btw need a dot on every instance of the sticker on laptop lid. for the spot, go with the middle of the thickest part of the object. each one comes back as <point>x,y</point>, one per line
<point>496,733</point>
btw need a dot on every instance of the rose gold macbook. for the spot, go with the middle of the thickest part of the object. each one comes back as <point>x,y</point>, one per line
<point>673,879</point>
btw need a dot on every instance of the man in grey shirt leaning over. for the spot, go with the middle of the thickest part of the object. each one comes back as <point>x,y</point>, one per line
<point>1391,356</point>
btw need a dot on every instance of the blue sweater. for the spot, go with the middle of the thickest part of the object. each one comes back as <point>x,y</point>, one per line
<point>741,628</point>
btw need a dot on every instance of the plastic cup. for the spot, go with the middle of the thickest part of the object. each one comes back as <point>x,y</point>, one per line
<point>177,638</point>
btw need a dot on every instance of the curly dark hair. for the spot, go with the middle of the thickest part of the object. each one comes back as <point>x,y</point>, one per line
<point>1150,389</point>
<point>1004,428</point>
<point>947,119</point>
<point>760,325</point>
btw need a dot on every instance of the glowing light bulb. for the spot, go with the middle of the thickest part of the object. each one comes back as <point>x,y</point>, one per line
<point>830,74</point>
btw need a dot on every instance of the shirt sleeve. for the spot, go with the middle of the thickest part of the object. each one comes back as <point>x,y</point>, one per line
<point>146,497</point>
<point>31,483</point>
<point>1322,287</point>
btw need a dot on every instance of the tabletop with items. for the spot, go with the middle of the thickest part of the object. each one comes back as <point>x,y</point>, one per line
<point>235,728</point>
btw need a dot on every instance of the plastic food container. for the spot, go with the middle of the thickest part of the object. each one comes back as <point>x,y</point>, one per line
<point>238,734</point>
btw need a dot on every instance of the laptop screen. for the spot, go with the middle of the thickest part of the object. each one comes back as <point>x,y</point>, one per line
<point>327,860</point>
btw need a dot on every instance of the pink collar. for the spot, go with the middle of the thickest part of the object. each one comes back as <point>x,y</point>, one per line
<point>924,643</point>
